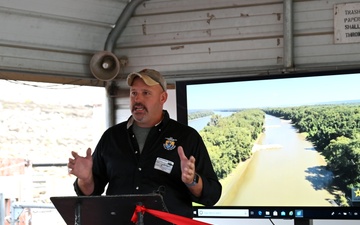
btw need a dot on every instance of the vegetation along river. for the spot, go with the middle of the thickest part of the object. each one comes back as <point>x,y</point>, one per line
<point>285,170</point>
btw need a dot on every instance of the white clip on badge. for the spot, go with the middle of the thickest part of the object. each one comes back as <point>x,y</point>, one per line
<point>164,165</point>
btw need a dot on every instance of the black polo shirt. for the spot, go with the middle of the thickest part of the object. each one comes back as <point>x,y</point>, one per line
<point>117,162</point>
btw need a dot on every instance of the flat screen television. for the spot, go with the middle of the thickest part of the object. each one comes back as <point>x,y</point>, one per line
<point>283,146</point>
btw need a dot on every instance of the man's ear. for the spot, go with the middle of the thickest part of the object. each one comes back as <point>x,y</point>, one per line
<point>163,97</point>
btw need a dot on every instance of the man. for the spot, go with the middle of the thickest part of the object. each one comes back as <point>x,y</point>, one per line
<point>149,153</point>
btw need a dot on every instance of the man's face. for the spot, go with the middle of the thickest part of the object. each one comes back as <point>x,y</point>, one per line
<point>146,103</point>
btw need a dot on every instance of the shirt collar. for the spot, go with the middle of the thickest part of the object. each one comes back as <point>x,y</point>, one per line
<point>131,120</point>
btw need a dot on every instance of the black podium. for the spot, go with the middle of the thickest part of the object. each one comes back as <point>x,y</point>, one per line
<point>108,210</point>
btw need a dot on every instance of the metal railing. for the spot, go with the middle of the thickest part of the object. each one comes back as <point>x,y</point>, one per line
<point>17,208</point>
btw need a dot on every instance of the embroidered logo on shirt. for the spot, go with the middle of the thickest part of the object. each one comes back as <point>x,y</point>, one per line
<point>169,143</point>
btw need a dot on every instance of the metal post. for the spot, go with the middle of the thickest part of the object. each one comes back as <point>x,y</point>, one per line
<point>2,209</point>
<point>14,212</point>
<point>288,34</point>
<point>140,216</point>
<point>302,221</point>
<point>78,214</point>
<point>18,207</point>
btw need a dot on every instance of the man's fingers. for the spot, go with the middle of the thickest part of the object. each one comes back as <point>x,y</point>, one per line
<point>71,161</point>
<point>181,153</point>
<point>190,162</point>
<point>88,153</point>
<point>74,154</point>
<point>187,165</point>
<point>69,165</point>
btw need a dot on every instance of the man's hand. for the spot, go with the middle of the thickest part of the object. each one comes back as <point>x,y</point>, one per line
<point>188,173</point>
<point>80,166</point>
<point>187,167</point>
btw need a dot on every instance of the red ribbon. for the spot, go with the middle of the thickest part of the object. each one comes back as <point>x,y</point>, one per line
<point>172,218</point>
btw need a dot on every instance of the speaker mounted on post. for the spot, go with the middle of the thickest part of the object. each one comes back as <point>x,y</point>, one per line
<point>105,65</point>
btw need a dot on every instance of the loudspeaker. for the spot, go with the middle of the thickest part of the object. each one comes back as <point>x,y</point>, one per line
<point>104,65</point>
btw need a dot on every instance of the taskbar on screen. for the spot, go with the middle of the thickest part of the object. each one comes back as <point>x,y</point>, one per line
<point>278,212</point>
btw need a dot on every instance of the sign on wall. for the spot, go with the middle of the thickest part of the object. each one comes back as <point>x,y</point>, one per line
<point>347,23</point>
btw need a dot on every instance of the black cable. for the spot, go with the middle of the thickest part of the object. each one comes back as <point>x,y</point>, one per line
<point>45,86</point>
<point>271,221</point>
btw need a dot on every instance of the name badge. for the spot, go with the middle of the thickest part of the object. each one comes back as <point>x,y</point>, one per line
<point>164,165</point>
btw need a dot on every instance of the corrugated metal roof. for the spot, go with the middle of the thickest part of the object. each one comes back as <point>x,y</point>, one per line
<point>53,41</point>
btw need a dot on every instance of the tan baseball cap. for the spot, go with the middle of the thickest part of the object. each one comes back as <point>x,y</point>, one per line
<point>150,77</point>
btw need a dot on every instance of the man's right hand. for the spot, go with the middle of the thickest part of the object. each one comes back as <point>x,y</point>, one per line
<point>80,166</point>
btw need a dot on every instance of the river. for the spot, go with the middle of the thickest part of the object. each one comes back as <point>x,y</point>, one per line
<point>285,170</point>
<point>200,123</point>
